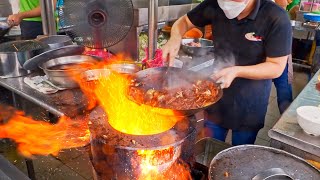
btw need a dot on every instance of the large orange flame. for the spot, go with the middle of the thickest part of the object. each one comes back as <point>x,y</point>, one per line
<point>127,116</point>
<point>43,138</point>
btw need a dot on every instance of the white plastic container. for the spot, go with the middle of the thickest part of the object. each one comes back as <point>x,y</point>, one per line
<point>309,119</point>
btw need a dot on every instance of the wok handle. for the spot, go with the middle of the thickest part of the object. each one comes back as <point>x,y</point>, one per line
<point>272,173</point>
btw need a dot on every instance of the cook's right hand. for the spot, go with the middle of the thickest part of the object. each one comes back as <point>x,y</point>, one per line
<point>171,49</point>
<point>14,19</point>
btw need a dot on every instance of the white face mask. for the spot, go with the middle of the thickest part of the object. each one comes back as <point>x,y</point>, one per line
<point>231,8</point>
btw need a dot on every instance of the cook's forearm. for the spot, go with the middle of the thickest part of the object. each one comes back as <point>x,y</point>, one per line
<point>266,70</point>
<point>36,12</point>
<point>180,27</point>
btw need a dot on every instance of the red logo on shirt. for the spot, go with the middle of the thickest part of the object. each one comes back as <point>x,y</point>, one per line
<point>253,37</point>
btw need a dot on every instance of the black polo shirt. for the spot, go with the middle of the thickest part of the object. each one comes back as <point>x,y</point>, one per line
<point>266,32</point>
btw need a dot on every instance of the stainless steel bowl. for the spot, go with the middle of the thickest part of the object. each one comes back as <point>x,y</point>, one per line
<point>61,73</point>
<point>125,68</point>
<point>95,74</point>
<point>206,47</point>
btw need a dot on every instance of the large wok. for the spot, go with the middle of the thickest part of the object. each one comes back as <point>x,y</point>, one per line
<point>171,78</point>
<point>253,162</point>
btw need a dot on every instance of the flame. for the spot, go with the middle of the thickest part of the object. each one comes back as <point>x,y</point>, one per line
<point>159,164</point>
<point>40,137</point>
<point>127,116</point>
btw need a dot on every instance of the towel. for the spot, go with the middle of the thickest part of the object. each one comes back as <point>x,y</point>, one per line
<point>42,84</point>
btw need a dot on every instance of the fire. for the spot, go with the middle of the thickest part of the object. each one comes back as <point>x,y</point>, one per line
<point>40,137</point>
<point>162,164</point>
<point>127,116</point>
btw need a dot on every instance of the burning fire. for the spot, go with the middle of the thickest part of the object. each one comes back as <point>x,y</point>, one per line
<point>127,116</point>
<point>42,138</point>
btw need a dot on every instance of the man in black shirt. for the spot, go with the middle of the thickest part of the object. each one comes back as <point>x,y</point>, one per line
<point>257,33</point>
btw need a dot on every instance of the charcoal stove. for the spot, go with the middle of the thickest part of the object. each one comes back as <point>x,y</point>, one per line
<point>116,155</point>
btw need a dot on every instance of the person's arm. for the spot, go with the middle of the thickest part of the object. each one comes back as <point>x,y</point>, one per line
<point>272,68</point>
<point>282,3</point>
<point>179,28</point>
<point>277,45</point>
<point>15,19</point>
<point>199,16</point>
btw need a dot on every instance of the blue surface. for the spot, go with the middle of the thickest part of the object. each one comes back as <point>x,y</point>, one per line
<point>312,17</point>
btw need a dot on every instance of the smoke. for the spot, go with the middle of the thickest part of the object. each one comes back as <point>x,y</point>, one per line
<point>221,60</point>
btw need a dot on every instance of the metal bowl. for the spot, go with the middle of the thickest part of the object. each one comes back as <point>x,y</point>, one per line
<point>125,68</point>
<point>95,74</point>
<point>206,47</point>
<point>63,71</point>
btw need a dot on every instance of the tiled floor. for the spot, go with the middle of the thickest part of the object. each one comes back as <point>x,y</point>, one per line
<point>74,164</point>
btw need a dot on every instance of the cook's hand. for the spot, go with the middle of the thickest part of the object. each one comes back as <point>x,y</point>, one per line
<point>171,49</point>
<point>226,76</point>
<point>14,19</point>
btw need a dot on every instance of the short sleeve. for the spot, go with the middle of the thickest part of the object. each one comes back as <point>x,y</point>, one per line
<point>201,15</point>
<point>278,41</point>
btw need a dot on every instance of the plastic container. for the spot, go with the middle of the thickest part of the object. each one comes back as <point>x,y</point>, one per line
<point>307,7</point>
<point>311,17</point>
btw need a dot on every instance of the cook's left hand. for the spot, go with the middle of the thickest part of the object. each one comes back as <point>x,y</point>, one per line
<point>226,76</point>
<point>14,19</point>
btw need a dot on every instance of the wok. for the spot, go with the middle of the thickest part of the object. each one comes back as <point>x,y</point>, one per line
<point>169,78</point>
<point>251,161</point>
<point>4,28</point>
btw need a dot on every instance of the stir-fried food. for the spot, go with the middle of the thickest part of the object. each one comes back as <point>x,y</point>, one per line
<point>200,94</point>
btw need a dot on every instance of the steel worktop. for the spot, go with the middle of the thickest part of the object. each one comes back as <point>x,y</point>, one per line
<point>288,135</point>
<point>67,102</point>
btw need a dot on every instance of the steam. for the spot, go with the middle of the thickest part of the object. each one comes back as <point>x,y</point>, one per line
<point>222,60</point>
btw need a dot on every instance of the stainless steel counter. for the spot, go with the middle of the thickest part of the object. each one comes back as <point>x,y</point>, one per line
<point>287,130</point>
<point>68,102</point>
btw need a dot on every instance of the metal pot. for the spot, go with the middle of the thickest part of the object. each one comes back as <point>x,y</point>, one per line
<point>206,47</point>
<point>14,54</point>
<point>61,73</point>
<point>55,41</point>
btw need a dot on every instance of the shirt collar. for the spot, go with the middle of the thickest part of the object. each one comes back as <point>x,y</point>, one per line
<point>254,12</point>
